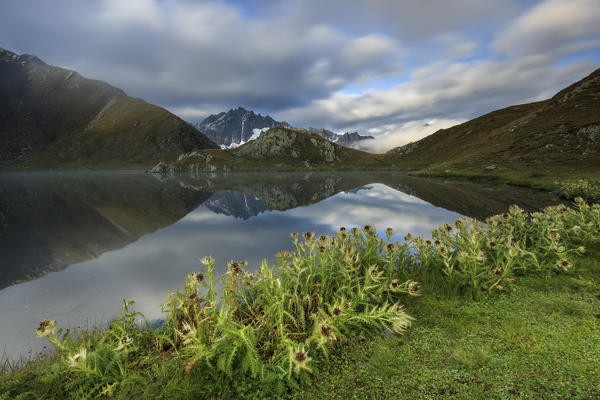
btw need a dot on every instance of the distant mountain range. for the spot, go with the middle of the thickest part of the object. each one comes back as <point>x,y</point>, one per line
<point>237,126</point>
<point>54,117</point>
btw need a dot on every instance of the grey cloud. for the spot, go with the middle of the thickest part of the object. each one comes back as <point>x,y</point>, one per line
<point>294,59</point>
<point>177,54</point>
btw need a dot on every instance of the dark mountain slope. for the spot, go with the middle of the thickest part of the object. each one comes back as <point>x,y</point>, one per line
<point>53,117</point>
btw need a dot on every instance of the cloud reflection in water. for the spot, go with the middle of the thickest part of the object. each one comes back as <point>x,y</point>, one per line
<point>92,291</point>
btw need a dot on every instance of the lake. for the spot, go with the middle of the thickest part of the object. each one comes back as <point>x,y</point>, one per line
<point>75,244</point>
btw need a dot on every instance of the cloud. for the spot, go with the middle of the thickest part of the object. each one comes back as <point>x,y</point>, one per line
<point>394,135</point>
<point>186,54</point>
<point>551,26</point>
<point>366,65</point>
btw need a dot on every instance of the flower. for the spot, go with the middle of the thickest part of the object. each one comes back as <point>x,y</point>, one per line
<point>581,249</point>
<point>374,273</point>
<point>207,260</point>
<point>394,285</point>
<point>389,232</point>
<point>460,223</point>
<point>284,254</point>
<point>124,342</point>
<point>300,359</point>
<point>188,333</point>
<point>78,359</point>
<point>322,249</point>
<point>402,321</point>
<point>326,332</point>
<point>369,230</point>
<point>46,327</point>
<point>564,264</point>
<point>322,238</point>
<point>408,237</point>
<point>294,235</point>
<point>343,229</point>
<point>354,232</point>
<point>308,236</point>
<point>398,309</point>
<point>195,278</point>
<point>414,288</point>
<point>236,267</point>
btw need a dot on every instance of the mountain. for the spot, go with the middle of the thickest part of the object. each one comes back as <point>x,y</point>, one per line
<point>344,139</point>
<point>50,220</point>
<point>235,204</point>
<point>278,149</point>
<point>560,135</point>
<point>53,117</point>
<point>237,126</point>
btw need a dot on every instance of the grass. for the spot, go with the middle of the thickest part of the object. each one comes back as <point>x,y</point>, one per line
<point>501,302</point>
<point>542,341</point>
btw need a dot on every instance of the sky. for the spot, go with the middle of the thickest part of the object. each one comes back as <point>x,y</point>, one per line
<point>394,69</point>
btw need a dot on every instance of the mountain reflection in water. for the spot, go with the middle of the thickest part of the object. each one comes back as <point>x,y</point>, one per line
<point>133,235</point>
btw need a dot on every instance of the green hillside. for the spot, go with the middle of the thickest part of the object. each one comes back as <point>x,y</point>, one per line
<point>549,139</point>
<point>52,117</point>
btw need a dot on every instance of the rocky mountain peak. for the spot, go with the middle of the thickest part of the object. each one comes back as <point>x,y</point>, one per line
<point>238,126</point>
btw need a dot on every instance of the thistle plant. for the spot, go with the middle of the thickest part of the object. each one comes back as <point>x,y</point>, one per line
<point>273,322</point>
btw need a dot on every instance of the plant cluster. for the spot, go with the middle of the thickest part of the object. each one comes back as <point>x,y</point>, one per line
<point>270,323</point>
<point>584,188</point>
<point>273,324</point>
<point>471,257</point>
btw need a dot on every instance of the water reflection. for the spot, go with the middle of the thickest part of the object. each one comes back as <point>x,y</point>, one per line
<point>131,235</point>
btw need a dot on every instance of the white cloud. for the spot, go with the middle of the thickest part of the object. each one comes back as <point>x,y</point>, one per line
<point>550,26</point>
<point>393,135</point>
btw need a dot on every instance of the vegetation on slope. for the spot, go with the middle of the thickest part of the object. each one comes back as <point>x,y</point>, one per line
<point>52,117</point>
<point>271,329</point>
<point>543,142</point>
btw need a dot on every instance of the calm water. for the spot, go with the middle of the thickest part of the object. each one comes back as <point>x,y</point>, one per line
<point>75,244</point>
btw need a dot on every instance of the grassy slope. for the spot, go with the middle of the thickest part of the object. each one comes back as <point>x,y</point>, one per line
<point>540,342</point>
<point>533,143</point>
<point>52,117</point>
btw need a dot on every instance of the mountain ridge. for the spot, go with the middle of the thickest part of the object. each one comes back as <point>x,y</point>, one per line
<point>558,134</point>
<point>51,117</point>
<point>238,126</point>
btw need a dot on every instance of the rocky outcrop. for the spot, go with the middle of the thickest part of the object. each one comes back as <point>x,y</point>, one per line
<point>590,133</point>
<point>288,142</point>
<point>273,143</point>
